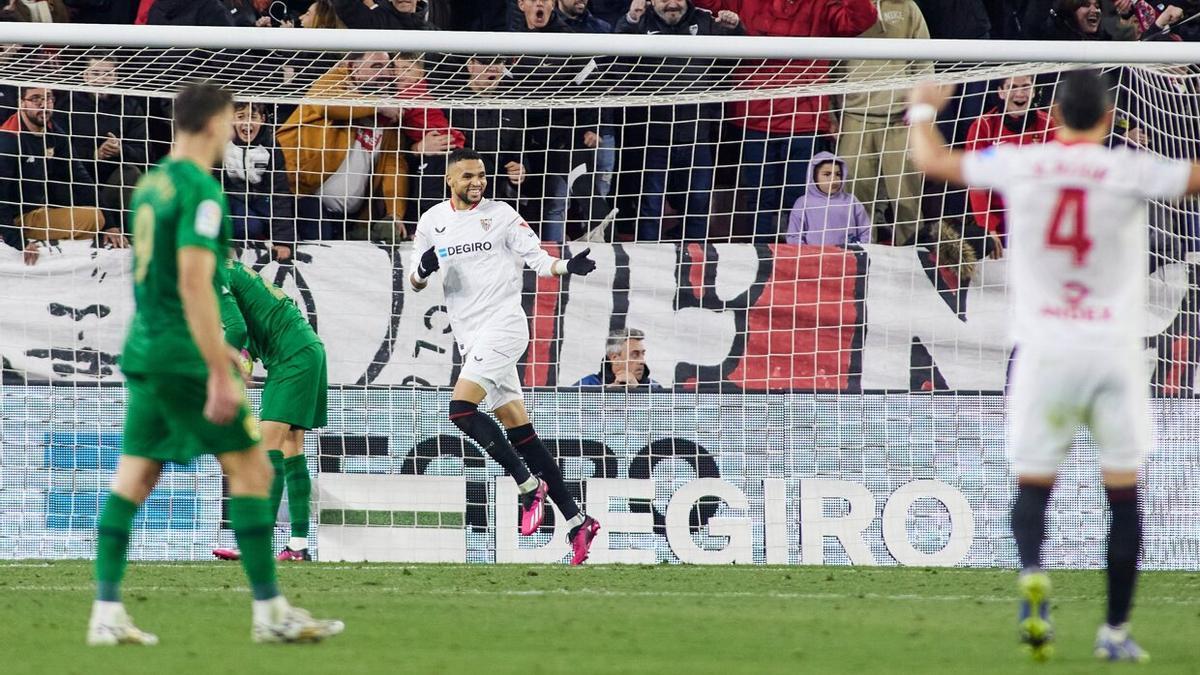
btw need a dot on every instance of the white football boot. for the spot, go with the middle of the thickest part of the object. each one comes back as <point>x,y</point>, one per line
<point>277,621</point>
<point>110,625</point>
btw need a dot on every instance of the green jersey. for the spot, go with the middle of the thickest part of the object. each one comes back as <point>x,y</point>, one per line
<point>261,318</point>
<point>176,204</point>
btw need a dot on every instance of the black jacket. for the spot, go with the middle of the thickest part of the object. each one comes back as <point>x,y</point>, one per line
<point>189,13</point>
<point>479,15</point>
<point>1042,22</point>
<point>497,134</point>
<point>685,123</point>
<point>611,10</point>
<point>355,14</point>
<point>88,119</point>
<point>10,100</point>
<point>256,172</point>
<point>241,13</point>
<point>103,11</point>
<point>608,11</point>
<point>36,171</point>
<point>586,23</point>
<point>555,132</point>
<point>956,19</point>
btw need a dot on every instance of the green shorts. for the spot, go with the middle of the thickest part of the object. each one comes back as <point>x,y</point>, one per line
<point>164,420</point>
<point>296,389</point>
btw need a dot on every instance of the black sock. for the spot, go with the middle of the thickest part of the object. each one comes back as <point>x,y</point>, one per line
<point>526,441</point>
<point>481,429</point>
<point>1029,523</point>
<point>1124,544</point>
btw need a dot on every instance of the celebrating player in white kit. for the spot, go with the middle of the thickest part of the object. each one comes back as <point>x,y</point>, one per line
<point>1077,270</point>
<point>476,243</point>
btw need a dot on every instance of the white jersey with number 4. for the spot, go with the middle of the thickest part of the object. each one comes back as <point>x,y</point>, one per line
<point>480,252</point>
<point>1077,230</point>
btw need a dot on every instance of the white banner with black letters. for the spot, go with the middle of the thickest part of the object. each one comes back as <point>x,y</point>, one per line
<point>779,318</point>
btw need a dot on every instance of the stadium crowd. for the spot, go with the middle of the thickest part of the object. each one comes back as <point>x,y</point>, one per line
<point>829,170</point>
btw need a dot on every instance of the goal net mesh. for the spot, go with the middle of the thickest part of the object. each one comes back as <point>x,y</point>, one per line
<point>821,359</point>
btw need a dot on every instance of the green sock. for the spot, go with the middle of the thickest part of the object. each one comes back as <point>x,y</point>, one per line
<point>276,457</point>
<point>112,545</point>
<point>299,489</point>
<point>253,527</point>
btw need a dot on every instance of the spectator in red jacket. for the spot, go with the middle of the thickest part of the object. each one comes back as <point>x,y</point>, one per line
<point>429,132</point>
<point>1013,121</point>
<point>780,134</point>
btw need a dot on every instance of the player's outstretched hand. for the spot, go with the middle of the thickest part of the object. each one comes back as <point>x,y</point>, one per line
<point>429,263</point>
<point>929,93</point>
<point>581,264</point>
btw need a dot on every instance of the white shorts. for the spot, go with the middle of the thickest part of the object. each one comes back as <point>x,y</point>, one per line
<point>1054,392</point>
<point>491,362</point>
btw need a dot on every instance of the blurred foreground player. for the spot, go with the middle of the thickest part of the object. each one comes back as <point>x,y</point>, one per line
<point>1077,242</point>
<point>185,397</point>
<point>475,242</point>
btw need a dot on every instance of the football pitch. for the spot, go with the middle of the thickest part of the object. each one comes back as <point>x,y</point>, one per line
<point>603,619</point>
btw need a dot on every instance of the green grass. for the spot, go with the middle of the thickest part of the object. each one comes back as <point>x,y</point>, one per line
<point>435,519</point>
<point>618,619</point>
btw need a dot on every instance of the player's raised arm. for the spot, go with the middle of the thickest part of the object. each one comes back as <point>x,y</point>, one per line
<point>1193,186</point>
<point>524,242</point>
<point>929,151</point>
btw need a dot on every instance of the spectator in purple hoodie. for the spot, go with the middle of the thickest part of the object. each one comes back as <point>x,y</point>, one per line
<point>826,214</point>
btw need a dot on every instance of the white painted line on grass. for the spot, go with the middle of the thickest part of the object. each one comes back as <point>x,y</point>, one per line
<point>600,592</point>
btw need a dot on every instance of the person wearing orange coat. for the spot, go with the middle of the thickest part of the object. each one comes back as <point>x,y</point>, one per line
<point>345,161</point>
<point>781,133</point>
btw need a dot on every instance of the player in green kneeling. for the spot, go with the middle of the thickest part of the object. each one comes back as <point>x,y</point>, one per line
<point>185,396</point>
<point>265,323</point>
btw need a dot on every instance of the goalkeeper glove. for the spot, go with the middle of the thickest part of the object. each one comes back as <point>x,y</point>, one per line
<point>429,263</point>
<point>581,264</point>
<point>247,364</point>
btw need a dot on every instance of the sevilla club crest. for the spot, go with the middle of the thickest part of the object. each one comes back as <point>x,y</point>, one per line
<point>485,223</point>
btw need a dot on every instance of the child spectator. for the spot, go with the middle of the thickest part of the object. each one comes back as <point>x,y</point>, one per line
<point>1014,120</point>
<point>826,214</point>
<point>256,184</point>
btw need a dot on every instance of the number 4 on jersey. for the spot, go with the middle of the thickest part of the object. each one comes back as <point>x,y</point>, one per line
<point>1071,210</point>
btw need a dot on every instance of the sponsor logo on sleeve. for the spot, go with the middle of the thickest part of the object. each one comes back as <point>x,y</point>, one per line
<point>208,219</point>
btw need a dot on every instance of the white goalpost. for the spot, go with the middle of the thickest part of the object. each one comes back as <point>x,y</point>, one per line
<point>824,369</point>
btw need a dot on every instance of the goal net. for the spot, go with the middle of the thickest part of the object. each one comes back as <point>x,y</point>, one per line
<point>793,350</point>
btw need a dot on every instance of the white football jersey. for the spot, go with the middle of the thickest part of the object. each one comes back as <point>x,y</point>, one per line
<point>1077,231</point>
<point>480,252</point>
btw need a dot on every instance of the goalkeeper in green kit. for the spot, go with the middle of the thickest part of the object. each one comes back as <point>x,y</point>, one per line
<point>265,324</point>
<point>184,394</point>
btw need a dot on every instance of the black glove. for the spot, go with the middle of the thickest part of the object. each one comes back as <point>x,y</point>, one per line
<point>429,263</point>
<point>581,264</point>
